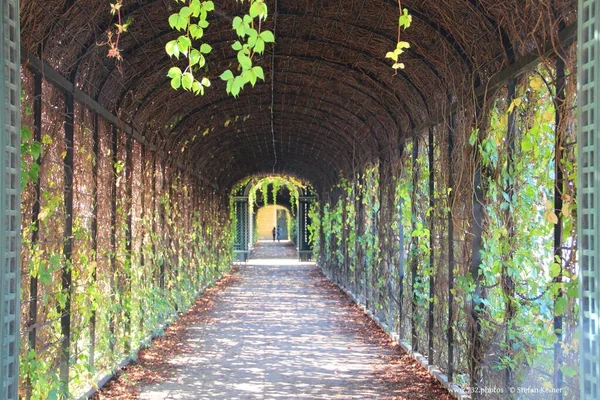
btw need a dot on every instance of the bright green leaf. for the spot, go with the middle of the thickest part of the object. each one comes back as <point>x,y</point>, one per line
<point>176,82</point>
<point>195,57</point>
<point>258,71</point>
<point>187,80</point>
<point>244,60</point>
<point>259,46</point>
<point>205,48</point>
<point>174,72</point>
<point>172,49</point>
<point>174,20</point>
<point>227,75</point>
<point>208,5</point>
<point>267,36</point>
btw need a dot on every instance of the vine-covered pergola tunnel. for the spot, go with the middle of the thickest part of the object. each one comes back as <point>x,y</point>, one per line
<point>455,195</point>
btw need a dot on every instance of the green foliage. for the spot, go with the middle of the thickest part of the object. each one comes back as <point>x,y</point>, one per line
<point>192,247</point>
<point>277,182</point>
<point>404,22</point>
<point>252,41</point>
<point>520,220</point>
<point>190,21</point>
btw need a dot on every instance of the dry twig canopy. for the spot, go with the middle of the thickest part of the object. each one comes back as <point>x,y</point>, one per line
<point>336,101</point>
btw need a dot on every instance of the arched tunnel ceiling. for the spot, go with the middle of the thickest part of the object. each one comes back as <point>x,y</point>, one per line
<point>332,100</point>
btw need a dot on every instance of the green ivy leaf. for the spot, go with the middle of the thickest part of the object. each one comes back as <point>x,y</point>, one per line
<point>227,75</point>
<point>255,9</point>
<point>197,88</point>
<point>555,270</point>
<point>267,36</point>
<point>259,47</point>
<point>559,306</point>
<point>174,72</point>
<point>250,76</point>
<point>195,57</point>
<point>239,26</point>
<point>237,46</point>
<point>25,134</point>
<point>176,82</point>
<point>184,44</point>
<point>205,48</point>
<point>405,19</point>
<point>208,5</point>
<point>196,31</point>
<point>526,145</point>
<point>238,84</point>
<point>35,150</point>
<point>172,48</point>
<point>174,21</point>
<point>244,60</point>
<point>392,55</point>
<point>185,12</point>
<point>258,71</point>
<point>196,7</point>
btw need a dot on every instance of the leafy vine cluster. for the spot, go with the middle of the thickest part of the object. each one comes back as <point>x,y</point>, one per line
<point>192,19</point>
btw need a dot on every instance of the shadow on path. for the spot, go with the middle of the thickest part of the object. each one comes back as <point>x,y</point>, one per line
<point>280,331</point>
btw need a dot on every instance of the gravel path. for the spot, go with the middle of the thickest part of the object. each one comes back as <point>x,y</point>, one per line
<point>279,331</point>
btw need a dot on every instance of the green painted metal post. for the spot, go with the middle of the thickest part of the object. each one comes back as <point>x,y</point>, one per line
<point>242,227</point>
<point>589,196</point>
<point>10,198</point>
<point>304,245</point>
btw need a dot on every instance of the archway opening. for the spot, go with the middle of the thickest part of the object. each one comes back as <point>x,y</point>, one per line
<point>274,223</point>
<point>271,207</point>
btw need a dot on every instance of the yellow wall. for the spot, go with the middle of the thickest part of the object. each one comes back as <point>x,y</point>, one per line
<point>266,219</point>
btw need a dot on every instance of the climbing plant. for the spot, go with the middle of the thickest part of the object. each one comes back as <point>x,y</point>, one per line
<point>113,34</point>
<point>522,286</point>
<point>191,20</point>
<point>404,22</point>
<point>269,196</point>
<point>141,252</point>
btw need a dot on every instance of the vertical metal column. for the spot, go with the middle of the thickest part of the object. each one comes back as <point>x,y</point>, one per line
<point>128,238</point>
<point>414,262</point>
<point>431,308</point>
<point>94,231</point>
<point>67,270</point>
<point>35,234</point>
<point>589,196</point>
<point>240,204</point>
<point>451,263</point>
<point>250,226</point>
<point>10,198</point>
<point>304,246</point>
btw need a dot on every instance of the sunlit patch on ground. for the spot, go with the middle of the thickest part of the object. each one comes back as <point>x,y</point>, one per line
<point>279,330</point>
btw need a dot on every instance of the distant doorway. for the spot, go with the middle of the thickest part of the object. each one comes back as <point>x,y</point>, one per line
<point>269,217</point>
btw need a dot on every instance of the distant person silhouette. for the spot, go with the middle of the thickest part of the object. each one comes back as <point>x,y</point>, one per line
<point>274,233</point>
<point>278,233</point>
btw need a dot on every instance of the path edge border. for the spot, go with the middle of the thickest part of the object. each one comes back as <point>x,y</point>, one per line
<point>93,390</point>
<point>434,371</point>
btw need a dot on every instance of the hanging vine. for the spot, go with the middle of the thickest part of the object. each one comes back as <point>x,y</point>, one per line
<point>190,20</point>
<point>404,22</point>
<point>252,41</point>
<point>113,34</point>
